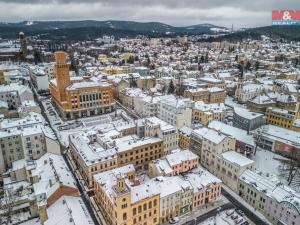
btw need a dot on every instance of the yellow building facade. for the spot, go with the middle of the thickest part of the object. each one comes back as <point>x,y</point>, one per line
<point>141,154</point>
<point>205,117</point>
<point>283,118</point>
<point>120,203</point>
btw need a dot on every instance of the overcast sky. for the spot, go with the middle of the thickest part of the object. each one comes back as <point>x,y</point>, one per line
<point>241,13</point>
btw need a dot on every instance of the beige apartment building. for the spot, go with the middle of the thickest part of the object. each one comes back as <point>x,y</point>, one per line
<point>155,127</point>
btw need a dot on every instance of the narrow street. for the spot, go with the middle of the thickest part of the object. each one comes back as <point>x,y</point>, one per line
<point>240,204</point>
<point>209,214</point>
<point>84,195</point>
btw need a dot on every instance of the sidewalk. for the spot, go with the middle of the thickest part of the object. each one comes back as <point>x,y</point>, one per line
<point>201,211</point>
<point>246,205</point>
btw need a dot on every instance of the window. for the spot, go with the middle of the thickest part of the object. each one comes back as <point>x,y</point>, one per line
<point>134,211</point>
<point>124,216</point>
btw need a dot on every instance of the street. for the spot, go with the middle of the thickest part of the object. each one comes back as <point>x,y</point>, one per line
<point>209,214</point>
<point>247,212</point>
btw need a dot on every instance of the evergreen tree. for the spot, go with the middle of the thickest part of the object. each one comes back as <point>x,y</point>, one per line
<point>37,57</point>
<point>202,59</point>
<point>171,88</point>
<point>241,69</point>
<point>256,65</point>
<point>206,57</point>
<point>130,59</point>
<point>248,65</point>
<point>236,58</point>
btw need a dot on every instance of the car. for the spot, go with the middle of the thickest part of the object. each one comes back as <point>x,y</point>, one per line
<point>239,220</point>
<point>229,212</point>
<point>240,212</point>
<point>234,216</point>
<point>174,220</point>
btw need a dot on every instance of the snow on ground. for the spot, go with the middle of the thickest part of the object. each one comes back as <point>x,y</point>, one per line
<point>271,163</point>
<point>35,221</point>
<point>229,102</point>
<point>266,161</point>
<point>65,128</point>
<point>223,219</point>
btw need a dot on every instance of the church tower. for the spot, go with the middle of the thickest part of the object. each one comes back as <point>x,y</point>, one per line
<point>62,74</point>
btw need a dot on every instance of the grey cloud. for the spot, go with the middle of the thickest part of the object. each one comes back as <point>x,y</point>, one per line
<point>176,12</point>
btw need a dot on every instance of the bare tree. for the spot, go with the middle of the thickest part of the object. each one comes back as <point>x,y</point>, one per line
<point>7,204</point>
<point>293,165</point>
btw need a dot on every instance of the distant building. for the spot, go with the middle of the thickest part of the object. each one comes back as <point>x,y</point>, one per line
<point>207,95</point>
<point>185,137</point>
<point>176,111</point>
<point>284,118</point>
<point>205,113</point>
<point>14,94</point>
<point>245,92</point>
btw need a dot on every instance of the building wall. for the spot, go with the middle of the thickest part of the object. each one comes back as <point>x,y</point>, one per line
<point>80,102</point>
<point>146,211</point>
<point>178,117</point>
<point>206,195</point>
<point>141,156</point>
<point>247,124</point>
<point>217,97</point>
<point>63,190</point>
<point>184,166</point>
<point>11,150</point>
<point>252,196</point>
<point>186,200</point>
<point>202,95</point>
<point>170,206</point>
<point>52,146</point>
<point>279,213</point>
<point>170,138</point>
<point>281,119</point>
<point>87,171</point>
<point>184,141</point>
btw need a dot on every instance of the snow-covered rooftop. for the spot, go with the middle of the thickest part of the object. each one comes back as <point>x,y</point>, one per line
<point>237,158</point>
<point>68,210</point>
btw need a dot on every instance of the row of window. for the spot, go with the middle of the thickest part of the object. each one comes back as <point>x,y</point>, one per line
<point>145,207</point>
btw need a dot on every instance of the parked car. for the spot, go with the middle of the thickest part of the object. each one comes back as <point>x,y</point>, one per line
<point>239,220</point>
<point>229,212</point>
<point>174,220</point>
<point>234,216</point>
<point>240,212</point>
